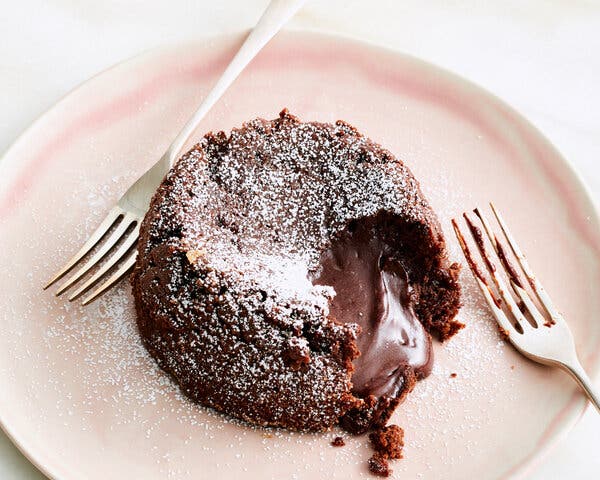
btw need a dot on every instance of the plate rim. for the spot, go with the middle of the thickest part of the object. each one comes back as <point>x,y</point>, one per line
<point>573,409</point>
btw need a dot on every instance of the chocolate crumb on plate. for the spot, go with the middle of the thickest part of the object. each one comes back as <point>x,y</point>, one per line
<point>379,466</point>
<point>338,442</point>
<point>388,441</point>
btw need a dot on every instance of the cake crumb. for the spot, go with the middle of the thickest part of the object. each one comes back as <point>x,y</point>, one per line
<point>338,442</point>
<point>503,333</point>
<point>388,441</point>
<point>378,465</point>
<point>453,375</point>
<point>512,367</point>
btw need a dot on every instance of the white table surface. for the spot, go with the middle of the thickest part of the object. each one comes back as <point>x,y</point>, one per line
<point>542,57</point>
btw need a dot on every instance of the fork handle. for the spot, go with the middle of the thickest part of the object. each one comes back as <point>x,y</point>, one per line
<point>278,12</point>
<point>578,373</point>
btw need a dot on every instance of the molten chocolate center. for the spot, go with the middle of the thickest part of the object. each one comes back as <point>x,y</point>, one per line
<point>372,290</point>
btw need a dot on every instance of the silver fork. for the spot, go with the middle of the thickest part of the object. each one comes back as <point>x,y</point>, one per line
<point>545,337</point>
<point>118,233</point>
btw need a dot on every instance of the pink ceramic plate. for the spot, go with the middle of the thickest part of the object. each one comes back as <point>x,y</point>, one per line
<point>81,397</point>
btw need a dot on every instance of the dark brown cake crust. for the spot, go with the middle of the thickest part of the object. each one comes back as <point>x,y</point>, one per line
<point>235,224</point>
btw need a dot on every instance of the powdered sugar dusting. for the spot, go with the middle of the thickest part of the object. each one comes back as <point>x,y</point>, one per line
<point>114,386</point>
<point>105,385</point>
<point>402,103</point>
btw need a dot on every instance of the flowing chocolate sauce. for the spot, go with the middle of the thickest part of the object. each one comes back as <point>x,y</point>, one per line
<point>373,290</point>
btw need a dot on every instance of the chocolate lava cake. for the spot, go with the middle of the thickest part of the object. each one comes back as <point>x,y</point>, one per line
<point>291,274</point>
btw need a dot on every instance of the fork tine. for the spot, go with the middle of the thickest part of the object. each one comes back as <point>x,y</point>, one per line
<point>491,266</point>
<point>92,240</point>
<point>526,299</point>
<point>114,259</point>
<point>510,270</point>
<point>501,317</point>
<point>110,242</point>
<point>114,278</point>
<point>489,296</point>
<point>536,285</point>
<point>513,276</point>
